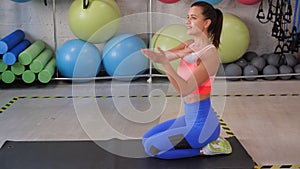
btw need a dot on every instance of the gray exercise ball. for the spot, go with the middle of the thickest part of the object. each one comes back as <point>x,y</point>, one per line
<point>275,60</point>
<point>250,70</point>
<point>297,70</point>
<point>291,59</point>
<point>242,62</point>
<point>285,69</point>
<point>249,55</point>
<point>270,70</point>
<point>265,55</point>
<point>259,63</point>
<point>233,69</point>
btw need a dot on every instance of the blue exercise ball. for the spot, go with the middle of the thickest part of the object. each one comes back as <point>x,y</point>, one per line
<point>21,1</point>
<point>122,56</point>
<point>213,2</point>
<point>78,59</point>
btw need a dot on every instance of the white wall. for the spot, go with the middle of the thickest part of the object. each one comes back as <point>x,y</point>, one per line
<point>36,19</point>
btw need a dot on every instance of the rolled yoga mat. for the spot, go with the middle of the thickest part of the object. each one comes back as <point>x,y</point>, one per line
<point>29,54</point>
<point>41,61</point>
<point>11,56</point>
<point>47,73</point>
<point>11,40</point>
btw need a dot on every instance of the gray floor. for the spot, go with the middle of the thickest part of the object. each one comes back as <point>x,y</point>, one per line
<point>263,115</point>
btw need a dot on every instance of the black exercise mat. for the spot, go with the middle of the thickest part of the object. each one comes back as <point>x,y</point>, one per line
<point>89,155</point>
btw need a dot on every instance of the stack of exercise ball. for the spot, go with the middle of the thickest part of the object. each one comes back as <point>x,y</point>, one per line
<point>21,58</point>
<point>273,66</point>
<point>93,23</point>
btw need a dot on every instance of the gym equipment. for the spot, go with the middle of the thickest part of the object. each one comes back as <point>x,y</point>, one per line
<point>297,70</point>
<point>3,66</point>
<point>270,70</point>
<point>233,69</point>
<point>17,68</point>
<point>28,76</point>
<point>122,56</point>
<point>250,70</point>
<point>11,40</point>
<point>259,63</point>
<point>21,1</point>
<point>94,21</point>
<point>40,61</point>
<point>78,59</point>
<point>285,28</point>
<point>234,40</point>
<point>11,56</point>
<point>84,154</point>
<point>285,69</point>
<point>169,1</point>
<point>8,76</point>
<point>248,2</point>
<point>47,73</point>
<point>249,55</point>
<point>213,2</point>
<point>27,56</point>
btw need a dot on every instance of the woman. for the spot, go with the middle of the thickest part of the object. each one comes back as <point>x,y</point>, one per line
<point>197,131</point>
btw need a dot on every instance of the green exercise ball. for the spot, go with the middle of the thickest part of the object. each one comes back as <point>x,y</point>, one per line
<point>167,38</point>
<point>234,40</point>
<point>96,23</point>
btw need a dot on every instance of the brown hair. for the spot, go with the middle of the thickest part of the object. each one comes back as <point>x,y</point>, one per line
<point>216,17</point>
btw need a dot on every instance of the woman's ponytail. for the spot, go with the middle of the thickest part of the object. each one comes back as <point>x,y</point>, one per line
<point>216,17</point>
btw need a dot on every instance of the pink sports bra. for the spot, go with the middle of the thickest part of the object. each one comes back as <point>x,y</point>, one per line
<point>187,66</point>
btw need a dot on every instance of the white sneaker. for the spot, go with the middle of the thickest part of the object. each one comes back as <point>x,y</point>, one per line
<point>219,146</point>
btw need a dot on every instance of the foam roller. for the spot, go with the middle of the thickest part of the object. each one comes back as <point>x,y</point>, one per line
<point>47,73</point>
<point>11,40</point>
<point>8,76</point>
<point>41,61</point>
<point>11,56</point>
<point>29,54</point>
<point>17,68</point>
<point>3,66</point>
<point>28,76</point>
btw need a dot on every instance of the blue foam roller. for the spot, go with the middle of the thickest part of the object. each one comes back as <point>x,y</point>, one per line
<point>11,40</point>
<point>10,57</point>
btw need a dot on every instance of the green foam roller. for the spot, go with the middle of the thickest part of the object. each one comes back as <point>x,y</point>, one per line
<point>47,73</point>
<point>28,76</point>
<point>3,66</point>
<point>8,76</point>
<point>17,68</point>
<point>30,53</point>
<point>40,62</point>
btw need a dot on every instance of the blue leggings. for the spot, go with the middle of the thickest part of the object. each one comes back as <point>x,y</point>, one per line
<point>183,136</point>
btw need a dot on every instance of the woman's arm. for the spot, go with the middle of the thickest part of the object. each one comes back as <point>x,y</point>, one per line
<point>179,51</point>
<point>207,67</point>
